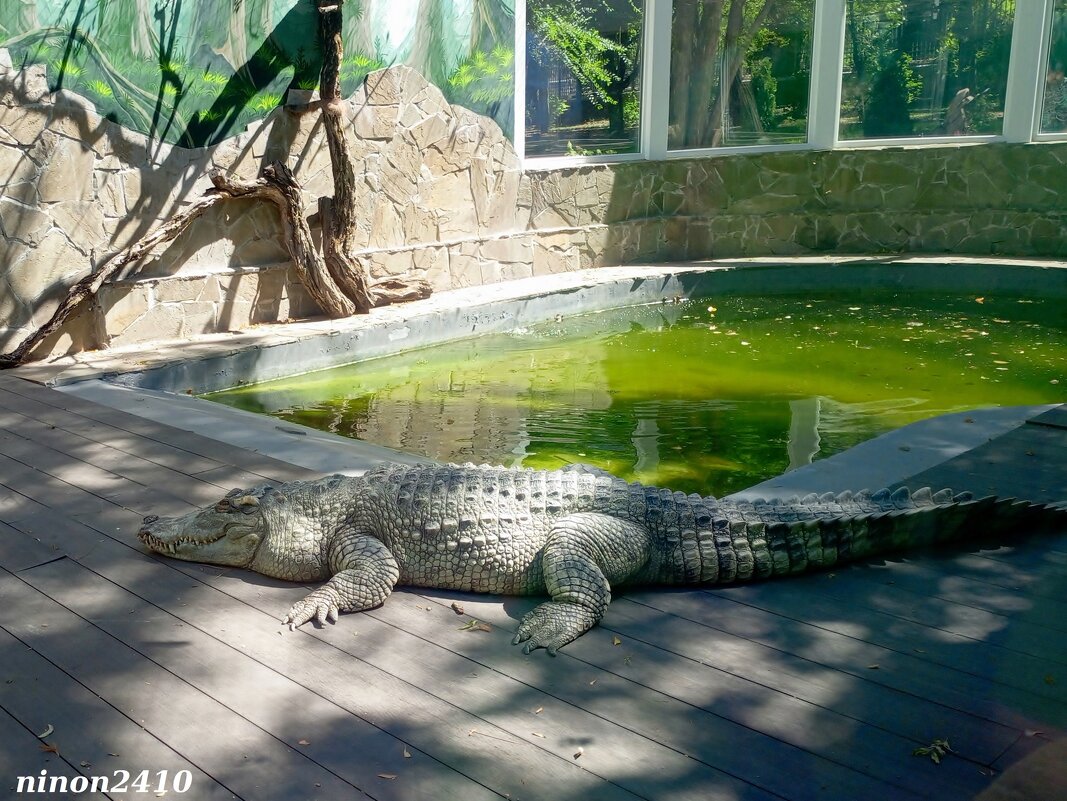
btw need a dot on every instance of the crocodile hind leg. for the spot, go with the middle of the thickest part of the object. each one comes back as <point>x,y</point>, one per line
<point>364,573</point>
<point>585,554</point>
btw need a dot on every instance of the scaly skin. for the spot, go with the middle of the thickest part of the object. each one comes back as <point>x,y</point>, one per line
<point>572,534</point>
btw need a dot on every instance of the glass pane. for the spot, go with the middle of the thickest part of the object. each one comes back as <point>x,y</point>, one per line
<point>1054,105</point>
<point>925,67</point>
<point>740,72</point>
<point>583,77</point>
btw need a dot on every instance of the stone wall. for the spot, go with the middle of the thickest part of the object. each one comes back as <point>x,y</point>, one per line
<point>443,197</point>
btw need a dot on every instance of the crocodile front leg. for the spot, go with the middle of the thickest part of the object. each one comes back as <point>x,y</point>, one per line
<point>585,554</point>
<point>364,573</point>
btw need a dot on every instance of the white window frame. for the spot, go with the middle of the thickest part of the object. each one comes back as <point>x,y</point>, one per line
<point>1022,111</point>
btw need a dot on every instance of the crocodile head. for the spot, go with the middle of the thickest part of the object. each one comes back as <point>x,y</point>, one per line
<point>227,533</point>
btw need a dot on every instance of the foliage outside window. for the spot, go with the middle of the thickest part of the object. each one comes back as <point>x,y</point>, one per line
<point>1054,101</point>
<point>740,72</point>
<point>925,67</point>
<point>583,65</point>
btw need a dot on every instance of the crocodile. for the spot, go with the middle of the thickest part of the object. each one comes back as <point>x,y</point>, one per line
<point>574,534</point>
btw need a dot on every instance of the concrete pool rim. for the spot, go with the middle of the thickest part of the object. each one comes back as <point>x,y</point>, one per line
<point>155,383</point>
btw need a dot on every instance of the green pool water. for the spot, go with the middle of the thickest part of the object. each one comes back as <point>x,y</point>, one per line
<point>710,396</point>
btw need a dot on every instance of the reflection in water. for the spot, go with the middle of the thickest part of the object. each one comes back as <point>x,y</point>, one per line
<point>705,399</point>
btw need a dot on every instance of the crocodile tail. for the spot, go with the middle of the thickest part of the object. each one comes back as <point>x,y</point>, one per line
<point>817,532</point>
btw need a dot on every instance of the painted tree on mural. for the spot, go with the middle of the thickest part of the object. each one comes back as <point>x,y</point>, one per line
<point>195,73</point>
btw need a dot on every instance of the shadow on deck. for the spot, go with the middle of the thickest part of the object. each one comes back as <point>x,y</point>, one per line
<point>816,687</point>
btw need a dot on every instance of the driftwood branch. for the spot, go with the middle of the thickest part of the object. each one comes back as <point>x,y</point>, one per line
<point>279,187</point>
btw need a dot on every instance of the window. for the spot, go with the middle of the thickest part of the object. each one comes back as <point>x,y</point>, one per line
<point>1054,102</point>
<point>740,72</point>
<point>925,67</point>
<point>583,77</point>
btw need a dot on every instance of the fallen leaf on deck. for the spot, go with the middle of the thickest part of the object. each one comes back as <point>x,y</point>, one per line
<point>872,667</point>
<point>475,625</point>
<point>46,732</point>
<point>303,742</point>
<point>936,750</point>
<point>539,710</point>
<point>386,775</point>
<point>616,641</point>
<point>537,734</point>
<point>457,608</point>
<point>407,754</point>
<point>49,748</point>
<point>579,752</point>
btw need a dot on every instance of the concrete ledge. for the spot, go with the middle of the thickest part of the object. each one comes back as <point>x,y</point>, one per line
<point>219,361</point>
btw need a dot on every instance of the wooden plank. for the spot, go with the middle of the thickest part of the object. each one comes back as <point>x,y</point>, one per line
<point>268,699</point>
<point>1051,562</point>
<point>48,490</point>
<point>1002,572</point>
<point>185,440</point>
<point>1027,462</point>
<point>1013,671</point>
<point>244,758</point>
<point>885,595</point>
<point>92,736</point>
<point>107,434</point>
<point>938,580</point>
<point>21,756</point>
<point>494,758</point>
<point>901,671</point>
<point>19,551</point>
<point>713,716</point>
<point>854,697</point>
<point>86,474</point>
<point>106,457</point>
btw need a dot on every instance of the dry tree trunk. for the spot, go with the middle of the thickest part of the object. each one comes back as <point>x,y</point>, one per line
<point>339,223</point>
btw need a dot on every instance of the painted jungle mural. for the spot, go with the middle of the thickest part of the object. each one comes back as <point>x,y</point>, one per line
<point>193,73</point>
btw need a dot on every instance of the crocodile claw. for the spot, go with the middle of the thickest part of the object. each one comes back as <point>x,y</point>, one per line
<point>322,604</point>
<point>552,625</point>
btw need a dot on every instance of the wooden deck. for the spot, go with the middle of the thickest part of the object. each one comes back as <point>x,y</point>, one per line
<point>816,687</point>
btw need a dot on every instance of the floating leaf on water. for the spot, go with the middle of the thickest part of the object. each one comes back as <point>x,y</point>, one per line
<point>979,300</point>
